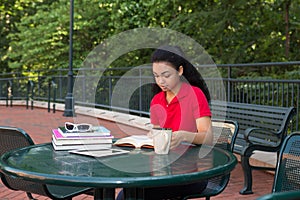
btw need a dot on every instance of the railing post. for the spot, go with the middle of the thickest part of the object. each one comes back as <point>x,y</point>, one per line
<point>30,95</point>
<point>9,93</point>
<point>51,84</point>
<point>229,83</point>
<point>54,95</point>
<point>27,94</point>
<point>49,95</point>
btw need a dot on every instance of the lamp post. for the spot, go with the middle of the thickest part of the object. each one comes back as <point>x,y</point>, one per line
<point>69,100</point>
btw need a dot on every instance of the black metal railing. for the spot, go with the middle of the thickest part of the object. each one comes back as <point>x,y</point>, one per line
<point>51,86</point>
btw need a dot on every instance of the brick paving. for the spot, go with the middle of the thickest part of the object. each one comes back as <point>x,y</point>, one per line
<point>38,124</point>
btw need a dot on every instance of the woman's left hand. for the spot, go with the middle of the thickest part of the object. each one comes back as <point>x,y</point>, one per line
<point>177,138</point>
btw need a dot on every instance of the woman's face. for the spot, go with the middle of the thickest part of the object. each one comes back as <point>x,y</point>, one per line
<point>166,76</point>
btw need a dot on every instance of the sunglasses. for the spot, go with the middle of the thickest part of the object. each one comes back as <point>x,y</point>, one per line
<point>78,127</point>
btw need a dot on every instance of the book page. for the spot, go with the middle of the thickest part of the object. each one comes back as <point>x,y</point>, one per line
<point>137,141</point>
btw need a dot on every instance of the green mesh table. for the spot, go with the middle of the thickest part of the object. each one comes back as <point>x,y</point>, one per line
<point>133,171</point>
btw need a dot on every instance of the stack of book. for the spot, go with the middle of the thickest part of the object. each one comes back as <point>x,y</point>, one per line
<point>99,138</point>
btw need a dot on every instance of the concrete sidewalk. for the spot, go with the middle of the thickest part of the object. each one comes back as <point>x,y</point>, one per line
<point>38,123</point>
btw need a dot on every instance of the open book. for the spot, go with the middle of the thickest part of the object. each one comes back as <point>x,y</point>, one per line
<point>137,141</point>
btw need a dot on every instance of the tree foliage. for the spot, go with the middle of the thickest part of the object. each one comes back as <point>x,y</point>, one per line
<point>35,33</point>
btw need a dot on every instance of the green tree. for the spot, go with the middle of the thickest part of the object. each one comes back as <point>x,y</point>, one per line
<point>232,31</point>
<point>11,14</point>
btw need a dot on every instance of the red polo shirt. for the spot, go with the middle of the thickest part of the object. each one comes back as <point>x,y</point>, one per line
<point>181,113</point>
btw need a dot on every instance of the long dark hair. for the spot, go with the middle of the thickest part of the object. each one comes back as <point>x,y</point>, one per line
<point>175,56</point>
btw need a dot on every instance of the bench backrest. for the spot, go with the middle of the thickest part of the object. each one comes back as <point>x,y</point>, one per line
<point>269,118</point>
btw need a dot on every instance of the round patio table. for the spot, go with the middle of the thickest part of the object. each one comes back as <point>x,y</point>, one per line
<point>133,171</point>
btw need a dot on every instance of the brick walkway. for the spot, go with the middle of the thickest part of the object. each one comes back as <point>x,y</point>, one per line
<point>38,124</point>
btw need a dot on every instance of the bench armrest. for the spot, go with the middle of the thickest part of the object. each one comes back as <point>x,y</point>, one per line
<point>263,132</point>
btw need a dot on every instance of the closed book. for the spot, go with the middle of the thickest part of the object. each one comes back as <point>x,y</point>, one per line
<point>96,131</point>
<point>82,146</point>
<point>59,139</point>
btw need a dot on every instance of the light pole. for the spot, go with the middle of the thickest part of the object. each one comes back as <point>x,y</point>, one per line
<point>69,100</point>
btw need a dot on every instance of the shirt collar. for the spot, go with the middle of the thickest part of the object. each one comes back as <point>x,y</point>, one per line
<point>183,92</point>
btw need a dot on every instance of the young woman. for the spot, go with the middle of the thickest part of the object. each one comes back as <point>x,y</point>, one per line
<point>181,100</point>
<point>180,103</point>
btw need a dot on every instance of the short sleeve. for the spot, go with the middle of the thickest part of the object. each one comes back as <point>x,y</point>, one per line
<point>202,108</point>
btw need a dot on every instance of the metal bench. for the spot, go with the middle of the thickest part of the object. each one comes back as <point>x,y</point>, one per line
<point>261,128</point>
